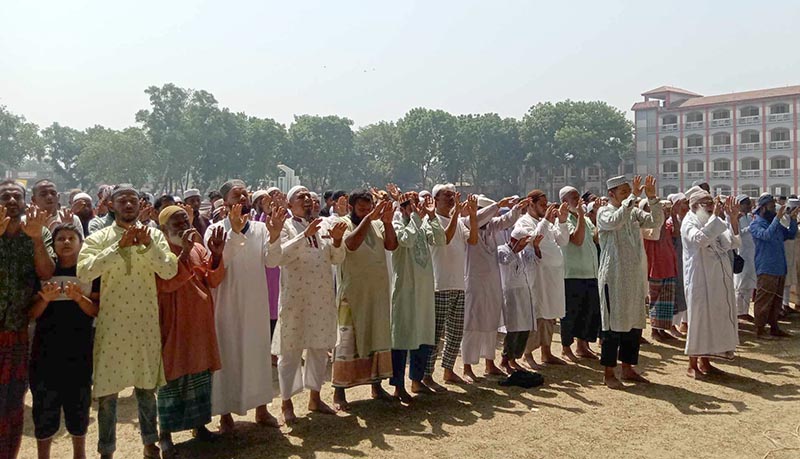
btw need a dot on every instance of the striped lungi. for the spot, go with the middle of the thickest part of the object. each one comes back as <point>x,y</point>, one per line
<point>185,403</point>
<point>662,302</point>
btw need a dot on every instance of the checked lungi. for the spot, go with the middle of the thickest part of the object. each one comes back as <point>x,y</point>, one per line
<point>662,302</point>
<point>185,403</point>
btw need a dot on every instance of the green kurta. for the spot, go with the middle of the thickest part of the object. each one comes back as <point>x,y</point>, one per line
<point>127,342</point>
<point>413,311</point>
<point>364,284</point>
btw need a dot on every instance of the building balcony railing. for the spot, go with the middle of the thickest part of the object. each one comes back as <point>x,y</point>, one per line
<point>780,117</point>
<point>694,150</point>
<point>722,122</point>
<point>750,174</point>
<point>780,173</point>
<point>669,151</point>
<point>721,148</point>
<point>696,175</point>
<point>780,145</point>
<point>750,146</point>
<point>669,127</point>
<point>694,125</point>
<point>721,174</point>
<point>669,175</point>
<point>750,119</point>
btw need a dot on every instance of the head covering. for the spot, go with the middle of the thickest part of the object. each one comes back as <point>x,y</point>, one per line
<point>166,212</point>
<point>586,196</point>
<point>82,195</point>
<point>292,192</point>
<point>763,200</point>
<point>483,201</point>
<point>742,198</point>
<point>216,212</point>
<point>441,187</point>
<point>699,196</point>
<point>535,195</point>
<point>675,197</point>
<point>228,186</point>
<point>691,191</point>
<point>272,189</point>
<point>590,207</point>
<point>424,193</point>
<point>792,203</point>
<point>518,233</point>
<point>218,203</point>
<point>190,193</point>
<point>123,188</point>
<point>614,182</point>
<point>565,191</point>
<point>699,182</point>
<point>259,194</point>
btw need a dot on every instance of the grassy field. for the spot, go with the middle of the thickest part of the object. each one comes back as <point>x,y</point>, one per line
<point>752,412</point>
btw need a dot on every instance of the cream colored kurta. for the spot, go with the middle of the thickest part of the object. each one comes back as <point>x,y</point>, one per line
<point>127,341</point>
<point>242,320</point>
<point>307,314</point>
<point>622,292</point>
<point>550,302</point>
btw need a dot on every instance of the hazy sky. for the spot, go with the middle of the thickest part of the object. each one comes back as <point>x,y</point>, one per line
<point>86,62</point>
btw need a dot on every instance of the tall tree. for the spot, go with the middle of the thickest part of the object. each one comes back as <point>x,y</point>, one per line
<point>111,156</point>
<point>62,147</point>
<point>266,143</point>
<point>19,139</point>
<point>322,151</point>
<point>492,153</point>
<point>378,145</point>
<point>429,146</point>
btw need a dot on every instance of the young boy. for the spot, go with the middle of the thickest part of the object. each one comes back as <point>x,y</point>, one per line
<point>61,356</point>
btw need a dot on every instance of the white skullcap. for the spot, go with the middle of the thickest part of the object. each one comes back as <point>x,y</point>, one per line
<point>82,195</point>
<point>614,182</point>
<point>590,207</point>
<point>191,192</point>
<point>691,192</point>
<point>483,201</point>
<point>424,193</point>
<point>675,197</point>
<point>272,189</point>
<point>440,187</point>
<point>295,189</point>
<point>518,233</point>
<point>258,194</point>
<point>565,191</point>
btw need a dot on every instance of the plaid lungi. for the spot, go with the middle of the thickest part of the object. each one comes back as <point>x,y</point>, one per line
<point>13,384</point>
<point>662,302</point>
<point>185,403</point>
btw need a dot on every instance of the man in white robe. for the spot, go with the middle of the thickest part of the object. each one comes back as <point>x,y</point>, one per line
<point>791,259</point>
<point>242,310</point>
<point>711,304</point>
<point>307,314</point>
<point>549,221</point>
<point>622,291</point>
<point>745,281</point>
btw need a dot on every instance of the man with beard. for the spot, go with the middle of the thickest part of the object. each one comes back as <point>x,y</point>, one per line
<point>200,222</point>
<point>127,256</point>
<point>769,236</point>
<point>621,290</point>
<point>25,257</point>
<point>550,301</point>
<point>745,281</point>
<point>242,310</point>
<point>363,346</point>
<point>581,321</point>
<point>707,241</point>
<point>188,336</point>
<point>307,315</point>
<point>81,206</point>
<point>45,196</point>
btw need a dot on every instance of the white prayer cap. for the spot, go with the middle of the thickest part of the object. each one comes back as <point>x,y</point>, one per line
<point>792,203</point>
<point>691,192</point>
<point>675,197</point>
<point>483,201</point>
<point>590,207</point>
<point>295,189</point>
<point>82,195</point>
<point>272,189</point>
<point>741,198</point>
<point>190,193</point>
<point>424,193</point>
<point>258,194</point>
<point>518,233</point>
<point>565,191</point>
<point>614,182</point>
<point>442,187</point>
<point>698,196</point>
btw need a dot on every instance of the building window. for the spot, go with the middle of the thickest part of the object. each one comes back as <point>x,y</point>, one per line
<point>779,135</point>
<point>694,141</point>
<point>670,166</point>
<point>722,165</point>
<point>751,164</point>
<point>777,109</point>
<point>695,166</point>
<point>694,117</point>
<point>722,114</point>
<point>722,190</point>
<point>669,119</point>
<point>781,190</point>
<point>751,190</point>
<point>669,142</point>
<point>749,111</point>
<point>751,136</point>
<point>670,189</point>
<point>780,162</point>
<point>722,138</point>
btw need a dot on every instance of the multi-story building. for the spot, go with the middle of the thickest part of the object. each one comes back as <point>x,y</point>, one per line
<point>743,142</point>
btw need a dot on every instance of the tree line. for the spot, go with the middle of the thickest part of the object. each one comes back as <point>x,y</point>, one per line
<point>185,139</point>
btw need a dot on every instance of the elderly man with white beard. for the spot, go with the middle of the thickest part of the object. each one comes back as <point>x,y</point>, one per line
<point>707,240</point>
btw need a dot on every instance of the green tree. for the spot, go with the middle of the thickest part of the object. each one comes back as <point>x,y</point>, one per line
<point>378,145</point>
<point>492,153</point>
<point>19,139</point>
<point>62,148</point>
<point>322,151</point>
<point>429,146</point>
<point>266,142</point>
<point>111,156</point>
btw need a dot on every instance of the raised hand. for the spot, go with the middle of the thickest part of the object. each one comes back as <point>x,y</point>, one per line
<point>128,238</point>
<point>77,206</point>
<point>472,205</point>
<point>340,207</point>
<point>781,211</point>
<point>35,220</point>
<point>4,220</point>
<point>312,228</point>
<point>719,207</point>
<point>551,213</point>
<point>189,211</point>
<point>523,204</point>
<point>66,215</point>
<point>521,244</point>
<point>376,212</point>
<point>637,185</point>
<point>337,232</point>
<point>428,207</point>
<point>794,212</point>
<point>388,213</point>
<point>145,210</point>
<point>73,291</point>
<point>275,221</point>
<point>142,236</point>
<point>537,240</point>
<point>50,291</point>
<point>563,212</point>
<point>189,237</point>
<point>376,194</point>
<point>650,187</point>
<point>216,243</point>
<point>506,202</point>
<point>393,191</point>
<point>238,221</point>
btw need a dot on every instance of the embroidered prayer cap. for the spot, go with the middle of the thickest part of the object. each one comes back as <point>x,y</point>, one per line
<point>742,198</point>
<point>295,189</point>
<point>190,193</point>
<point>229,185</point>
<point>82,195</point>
<point>483,201</point>
<point>565,191</point>
<point>166,212</point>
<point>443,187</point>
<point>614,182</point>
<point>123,188</point>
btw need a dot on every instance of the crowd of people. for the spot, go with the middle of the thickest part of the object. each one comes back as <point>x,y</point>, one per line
<point>194,306</point>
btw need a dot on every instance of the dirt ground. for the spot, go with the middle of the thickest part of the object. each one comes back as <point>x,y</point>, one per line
<point>752,412</point>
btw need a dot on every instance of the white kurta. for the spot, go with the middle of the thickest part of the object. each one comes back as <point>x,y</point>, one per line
<point>708,272</point>
<point>746,280</point>
<point>517,272</point>
<point>307,314</point>
<point>483,298</point>
<point>242,320</point>
<point>789,253</point>
<point>622,293</point>
<point>550,302</point>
